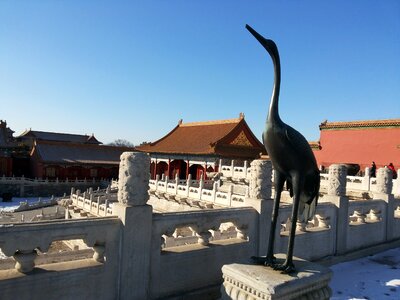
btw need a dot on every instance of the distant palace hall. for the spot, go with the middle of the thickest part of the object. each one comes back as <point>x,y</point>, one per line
<point>57,155</point>
<point>197,148</point>
<point>359,142</point>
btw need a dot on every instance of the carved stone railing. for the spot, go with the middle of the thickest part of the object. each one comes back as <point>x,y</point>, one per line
<point>193,190</point>
<point>363,183</point>
<point>202,241</point>
<point>97,203</point>
<point>199,190</point>
<point>203,227</point>
<point>25,180</point>
<point>367,224</point>
<point>235,172</point>
<point>318,234</point>
<point>23,241</point>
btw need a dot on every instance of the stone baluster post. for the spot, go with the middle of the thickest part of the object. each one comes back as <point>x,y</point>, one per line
<point>337,180</point>
<point>136,218</point>
<point>214,191</point>
<point>384,185</point>
<point>259,197</point>
<point>157,180</point>
<point>232,168</point>
<point>337,195</point>
<point>91,202</point>
<point>230,193</point>
<point>98,205</point>
<point>396,184</point>
<point>166,184</point>
<point>188,184</point>
<point>384,181</point>
<point>366,182</point>
<point>245,168</point>
<point>201,185</point>
<point>176,183</point>
<point>78,193</point>
<point>83,201</point>
<point>260,181</point>
<point>72,191</point>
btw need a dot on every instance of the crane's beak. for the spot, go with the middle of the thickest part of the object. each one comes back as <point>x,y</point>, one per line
<point>258,36</point>
<point>269,45</point>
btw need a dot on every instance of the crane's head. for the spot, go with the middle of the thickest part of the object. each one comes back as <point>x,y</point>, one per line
<point>269,45</point>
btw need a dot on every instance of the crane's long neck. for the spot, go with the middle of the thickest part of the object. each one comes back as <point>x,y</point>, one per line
<point>273,113</point>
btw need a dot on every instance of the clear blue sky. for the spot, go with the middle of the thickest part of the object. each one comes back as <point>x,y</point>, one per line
<point>132,69</point>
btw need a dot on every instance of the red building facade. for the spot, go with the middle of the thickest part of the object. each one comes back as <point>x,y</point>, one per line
<point>7,149</point>
<point>73,160</point>
<point>359,142</point>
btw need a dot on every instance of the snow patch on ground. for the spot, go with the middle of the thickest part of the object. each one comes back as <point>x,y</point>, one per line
<point>372,277</point>
<point>15,201</point>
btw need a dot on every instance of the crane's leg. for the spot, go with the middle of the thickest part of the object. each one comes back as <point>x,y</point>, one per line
<point>269,260</point>
<point>288,266</point>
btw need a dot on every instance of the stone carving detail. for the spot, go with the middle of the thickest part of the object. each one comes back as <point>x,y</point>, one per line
<point>234,289</point>
<point>241,140</point>
<point>384,181</point>
<point>322,221</point>
<point>260,180</point>
<point>25,260</point>
<point>337,180</point>
<point>134,176</point>
<point>357,217</point>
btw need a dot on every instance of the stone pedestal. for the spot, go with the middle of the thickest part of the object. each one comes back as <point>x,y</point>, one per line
<point>253,282</point>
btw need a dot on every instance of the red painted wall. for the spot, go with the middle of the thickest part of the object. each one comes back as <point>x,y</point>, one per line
<point>5,166</point>
<point>361,146</point>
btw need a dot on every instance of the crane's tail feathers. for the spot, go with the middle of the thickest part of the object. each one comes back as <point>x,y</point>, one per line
<point>308,212</point>
<point>309,201</point>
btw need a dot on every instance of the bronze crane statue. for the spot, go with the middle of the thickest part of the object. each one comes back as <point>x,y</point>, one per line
<point>293,162</point>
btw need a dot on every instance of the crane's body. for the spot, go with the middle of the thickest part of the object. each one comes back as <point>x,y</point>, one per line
<point>293,163</point>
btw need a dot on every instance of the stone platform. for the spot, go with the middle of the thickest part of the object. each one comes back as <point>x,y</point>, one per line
<point>254,282</point>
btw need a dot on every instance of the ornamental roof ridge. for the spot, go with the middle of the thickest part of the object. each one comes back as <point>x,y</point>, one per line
<point>360,124</point>
<point>214,122</point>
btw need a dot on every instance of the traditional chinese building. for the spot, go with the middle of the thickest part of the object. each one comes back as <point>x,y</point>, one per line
<point>64,155</point>
<point>63,160</point>
<point>30,136</point>
<point>359,142</point>
<point>7,146</point>
<point>196,148</point>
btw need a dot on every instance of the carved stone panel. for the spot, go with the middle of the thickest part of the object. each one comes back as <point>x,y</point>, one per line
<point>384,181</point>
<point>337,180</point>
<point>260,180</point>
<point>134,178</point>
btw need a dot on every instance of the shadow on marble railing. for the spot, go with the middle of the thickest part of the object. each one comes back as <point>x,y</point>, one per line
<point>23,242</point>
